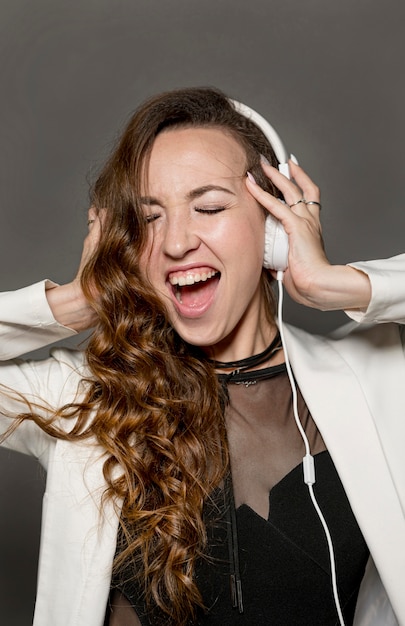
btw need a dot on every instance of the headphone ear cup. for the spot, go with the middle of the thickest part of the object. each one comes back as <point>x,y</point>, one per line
<point>275,245</point>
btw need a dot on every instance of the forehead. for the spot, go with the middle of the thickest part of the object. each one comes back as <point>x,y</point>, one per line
<point>202,152</point>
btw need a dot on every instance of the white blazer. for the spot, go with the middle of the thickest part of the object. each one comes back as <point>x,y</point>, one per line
<point>353,385</point>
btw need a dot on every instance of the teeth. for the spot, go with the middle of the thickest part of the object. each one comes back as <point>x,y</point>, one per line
<point>191,279</point>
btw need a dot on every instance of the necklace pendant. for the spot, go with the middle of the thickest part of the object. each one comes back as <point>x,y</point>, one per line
<point>247,383</point>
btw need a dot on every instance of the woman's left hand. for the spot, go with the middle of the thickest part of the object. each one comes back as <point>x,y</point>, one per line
<point>310,279</point>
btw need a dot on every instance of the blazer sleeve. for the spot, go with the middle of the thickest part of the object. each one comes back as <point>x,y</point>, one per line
<point>387,278</point>
<point>26,323</point>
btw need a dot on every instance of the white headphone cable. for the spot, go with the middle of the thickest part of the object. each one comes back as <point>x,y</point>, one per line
<point>308,460</point>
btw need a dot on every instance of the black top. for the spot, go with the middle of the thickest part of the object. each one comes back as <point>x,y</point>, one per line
<point>283,554</point>
<point>284,560</point>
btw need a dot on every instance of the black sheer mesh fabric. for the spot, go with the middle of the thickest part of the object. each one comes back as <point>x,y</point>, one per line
<point>264,441</point>
<point>121,612</point>
<point>283,555</point>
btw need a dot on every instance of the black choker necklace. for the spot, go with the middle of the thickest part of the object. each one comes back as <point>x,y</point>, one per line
<point>251,361</point>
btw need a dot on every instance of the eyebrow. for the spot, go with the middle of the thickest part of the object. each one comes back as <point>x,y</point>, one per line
<point>192,195</point>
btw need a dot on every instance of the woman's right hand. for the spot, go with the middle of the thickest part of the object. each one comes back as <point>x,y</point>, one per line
<point>310,278</point>
<point>67,302</point>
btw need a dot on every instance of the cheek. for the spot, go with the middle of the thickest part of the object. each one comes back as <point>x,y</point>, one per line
<point>247,238</point>
<point>247,226</point>
<point>251,251</point>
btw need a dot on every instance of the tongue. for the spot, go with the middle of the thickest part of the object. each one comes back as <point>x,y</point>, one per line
<point>195,296</point>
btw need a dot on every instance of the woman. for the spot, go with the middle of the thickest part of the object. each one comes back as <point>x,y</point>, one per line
<point>163,442</point>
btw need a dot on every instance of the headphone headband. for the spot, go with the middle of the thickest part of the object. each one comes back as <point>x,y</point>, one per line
<point>265,127</point>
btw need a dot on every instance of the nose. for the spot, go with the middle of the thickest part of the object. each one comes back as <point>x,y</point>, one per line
<point>180,236</point>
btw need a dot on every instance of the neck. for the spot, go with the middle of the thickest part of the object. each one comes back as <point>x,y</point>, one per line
<point>257,360</point>
<point>251,336</point>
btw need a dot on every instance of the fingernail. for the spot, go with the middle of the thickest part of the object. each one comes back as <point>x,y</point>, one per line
<point>294,159</point>
<point>251,178</point>
<point>264,159</point>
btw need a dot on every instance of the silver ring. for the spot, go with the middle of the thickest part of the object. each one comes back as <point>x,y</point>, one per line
<point>90,222</point>
<point>314,202</point>
<point>298,202</point>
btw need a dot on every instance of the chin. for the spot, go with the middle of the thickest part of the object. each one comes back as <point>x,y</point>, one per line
<point>198,340</point>
<point>199,337</point>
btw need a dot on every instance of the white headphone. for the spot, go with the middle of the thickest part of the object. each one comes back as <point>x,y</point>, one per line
<point>276,257</point>
<point>275,237</point>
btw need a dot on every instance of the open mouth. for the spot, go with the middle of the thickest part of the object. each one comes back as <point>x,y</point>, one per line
<point>194,290</point>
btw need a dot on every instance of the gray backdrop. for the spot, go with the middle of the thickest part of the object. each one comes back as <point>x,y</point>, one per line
<point>327,74</point>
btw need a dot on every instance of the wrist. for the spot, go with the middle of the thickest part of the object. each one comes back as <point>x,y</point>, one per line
<point>341,287</point>
<point>69,306</point>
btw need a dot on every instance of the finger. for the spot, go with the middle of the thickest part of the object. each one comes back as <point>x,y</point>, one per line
<point>292,192</point>
<point>306,194</point>
<point>92,215</point>
<point>93,236</point>
<point>95,219</point>
<point>310,190</point>
<point>276,207</point>
<point>281,210</point>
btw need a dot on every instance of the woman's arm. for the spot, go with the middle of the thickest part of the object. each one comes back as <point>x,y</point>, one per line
<point>41,387</point>
<point>387,280</point>
<point>69,306</point>
<point>27,322</point>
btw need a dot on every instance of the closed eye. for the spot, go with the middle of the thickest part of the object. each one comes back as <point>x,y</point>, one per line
<point>209,211</point>
<point>151,218</point>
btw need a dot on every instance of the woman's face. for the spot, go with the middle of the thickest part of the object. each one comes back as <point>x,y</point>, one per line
<point>206,239</point>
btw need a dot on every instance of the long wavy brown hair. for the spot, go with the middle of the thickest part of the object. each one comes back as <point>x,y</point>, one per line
<point>153,402</point>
